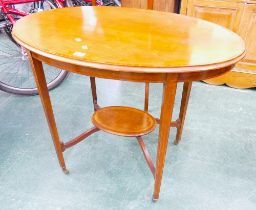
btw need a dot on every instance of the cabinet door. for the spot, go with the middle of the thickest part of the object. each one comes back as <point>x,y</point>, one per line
<point>134,3</point>
<point>161,5</point>
<point>165,5</point>
<point>225,13</point>
<point>248,33</point>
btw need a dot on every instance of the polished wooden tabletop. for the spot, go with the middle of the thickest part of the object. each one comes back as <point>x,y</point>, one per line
<point>111,37</point>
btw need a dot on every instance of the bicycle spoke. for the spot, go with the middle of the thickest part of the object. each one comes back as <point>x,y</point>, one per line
<point>15,70</point>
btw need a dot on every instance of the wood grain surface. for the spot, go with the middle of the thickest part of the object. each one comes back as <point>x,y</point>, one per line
<point>111,37</point>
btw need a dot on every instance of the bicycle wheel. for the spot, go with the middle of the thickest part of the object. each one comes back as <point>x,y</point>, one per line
<point>112,3</point>
<point>15,71</point>
<point>73,3</point>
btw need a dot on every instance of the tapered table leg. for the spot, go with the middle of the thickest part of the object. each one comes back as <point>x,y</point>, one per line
<point>94,93</point>
<point>38,72</point>
<point>146,97</point>
<point>183,109</point>
<point>169,92</point>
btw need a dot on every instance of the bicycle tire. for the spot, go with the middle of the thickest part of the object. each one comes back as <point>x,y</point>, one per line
<point>19,90</point>
<point>116,3</point>
<point>74,3</point>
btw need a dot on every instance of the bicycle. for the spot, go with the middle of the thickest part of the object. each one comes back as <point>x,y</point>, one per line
<point>72,3</point>
<point>15,71</point>
<point>20,80</point>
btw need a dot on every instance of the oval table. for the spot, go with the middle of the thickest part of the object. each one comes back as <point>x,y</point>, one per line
<point>127,44</point>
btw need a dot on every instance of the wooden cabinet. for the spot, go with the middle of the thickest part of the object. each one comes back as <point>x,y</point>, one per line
<point>165,5</point>
<point>227,14</point>
<point>161,5</point>
<point>134,3</point>
<point>248,32</point>
<point>240,17</point>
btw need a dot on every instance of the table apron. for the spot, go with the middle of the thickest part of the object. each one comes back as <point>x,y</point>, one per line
<point>196,76</point>
<point>101,73</point>
<point>131,76</point>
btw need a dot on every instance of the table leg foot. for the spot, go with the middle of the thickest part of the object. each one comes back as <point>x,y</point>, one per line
<point>155,198</point>
<point>65,171</point>
<point>176,141</point>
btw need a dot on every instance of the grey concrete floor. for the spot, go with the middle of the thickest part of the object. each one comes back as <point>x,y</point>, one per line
<point>213,167</point>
